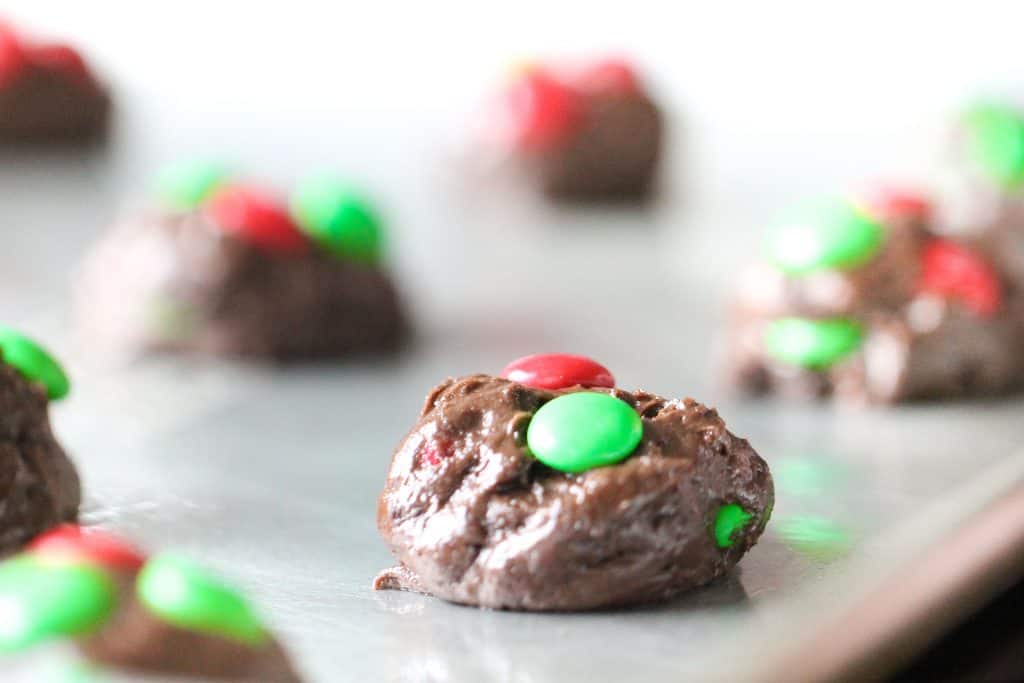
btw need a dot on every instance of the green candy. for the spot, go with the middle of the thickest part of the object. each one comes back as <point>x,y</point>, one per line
<point>995,138</point>
<point>824,235</point>
<point>33,363</point>
<point>813,344</point>
<point>579,431</point>
<point>186,595</point>
<point>338,219</point>
<point>40,601</point>
<point>730,519</point>
<point>187,184</point>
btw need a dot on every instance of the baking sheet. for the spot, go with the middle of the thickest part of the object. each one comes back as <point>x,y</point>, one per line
<point>270,475</point>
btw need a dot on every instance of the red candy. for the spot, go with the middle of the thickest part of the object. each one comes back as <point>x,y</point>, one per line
<point>951,270</point>
<point>609,76</point>
<point>543,109</point>
<point>12,56</point>
<point>255,217</point>
<point>59,57</point>
<point>894,203</point>
<point>436,451</point>
<point>70,542</point>
<point>558,371</point>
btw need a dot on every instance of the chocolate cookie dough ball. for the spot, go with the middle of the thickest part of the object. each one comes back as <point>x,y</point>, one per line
<point>867,303</point>
<point>38,484</point>
<point>47,93</point>
<point>586,134</point>
<point>225,268</point>
<point>538,494</point>
<point>159,616</point>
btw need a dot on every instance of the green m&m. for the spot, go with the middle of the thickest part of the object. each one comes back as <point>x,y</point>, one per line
<point>39,601</point>
<point>338,219</point>
<point>33,363</point>
<point>185,185</point>
<point>813,344</point>
<point>579,431</point>
<point>729,520</point>
<point>824,235</point>
<point>995,141</point>
<point>184,594</point>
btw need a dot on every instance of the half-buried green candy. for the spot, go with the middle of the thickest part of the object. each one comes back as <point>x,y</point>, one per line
<point>338,219</point>
<point>39,601</point>
<point>995,141</point>
<point>186,595</point>
<point>33,363</point>
<point>812,344</point>
<point>829,234</point>
<point>730,520</point>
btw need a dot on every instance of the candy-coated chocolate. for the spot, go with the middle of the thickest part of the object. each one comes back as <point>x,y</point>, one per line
<point>186,595</point>
<point>436,451</point>
<point>898,203</point>
<point>338,219</point>
<point>40,601</point>
<point>59,57</point>
<point>543,110</point>
<point>70,543</point>
<point>609,76</point>
<point>951,270</point>
<point>730,519</point>
<point>12,56</point>
<point>824,235</point>
<point>33,362</point>
<point>558,371</point>
<point>185,185</point>
<point>255,217</point>
<point>995,141</point>
<point>814,344</point>
<point>583,430</point>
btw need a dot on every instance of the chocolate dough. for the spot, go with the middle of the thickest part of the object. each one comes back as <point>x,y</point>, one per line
<point>43,105</point>
<point>489,525</point>
<point>39,487</point>
<point>135,640</point>
<point>173,281</point>
<point>612,155</point>
<point>917,346</point>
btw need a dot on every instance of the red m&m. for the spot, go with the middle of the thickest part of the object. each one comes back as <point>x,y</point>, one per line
<point>255,217</point>
<point>558,371</point>
<point>543,109</point>
<point>951,270</point>
<point>72,543</point>
<point>12,56</point>
<point>59,57</point>
<point>897,203</point>
<point>609,76</point>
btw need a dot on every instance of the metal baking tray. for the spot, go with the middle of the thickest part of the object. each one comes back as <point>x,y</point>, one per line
<point>270,475</point>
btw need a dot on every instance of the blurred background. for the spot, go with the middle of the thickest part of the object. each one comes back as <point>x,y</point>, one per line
<point>765,104</point>
<point>768,103</point>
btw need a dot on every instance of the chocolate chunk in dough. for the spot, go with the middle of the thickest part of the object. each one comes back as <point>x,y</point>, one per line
<point>174,281</point>
<point>39,487</point>
<point>474,518</point>
<point>48,94</point>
